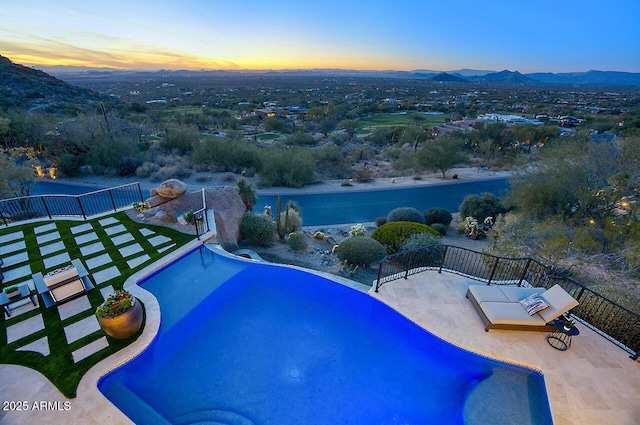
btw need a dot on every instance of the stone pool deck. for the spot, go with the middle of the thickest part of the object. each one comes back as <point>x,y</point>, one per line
<point>593,382</point>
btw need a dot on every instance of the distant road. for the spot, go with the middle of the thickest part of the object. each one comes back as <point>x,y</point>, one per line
<point>347,207</point>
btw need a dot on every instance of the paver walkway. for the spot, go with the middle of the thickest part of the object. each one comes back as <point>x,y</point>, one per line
<point>54,248</point>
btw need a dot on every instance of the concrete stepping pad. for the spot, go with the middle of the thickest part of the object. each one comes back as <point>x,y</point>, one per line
<point>9,237</point>
<point>130,250</point>
<point>16,246</point>
<point>14,259</point>
<point>89,349</point>
<point>100,260</point>
<point>82,239</point>
<point>17,273</point>
<point>119,240</point>
<point>51,248</point>
<point>81,328</point>
<point>108,221</point>
<point>159,240</point>
<point>91,249</point>
<point>135,262</point>
<point>39,346</point>
<point>73,307</point>
<point>106,292</point>
<point>164,248</point>
<point>146,232</point>
<point>81,228</point>
<point>47,237</point>
<point>56,260</point>
<point>44,228</point>
<point>106,274</point>
<point>24,328</point>
<point>115,229</point>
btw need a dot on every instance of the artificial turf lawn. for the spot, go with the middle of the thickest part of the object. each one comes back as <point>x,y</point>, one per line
<point>58,366</point>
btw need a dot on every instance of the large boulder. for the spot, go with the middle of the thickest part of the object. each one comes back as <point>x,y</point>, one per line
<point>170,189</point>
<point>228,210</point>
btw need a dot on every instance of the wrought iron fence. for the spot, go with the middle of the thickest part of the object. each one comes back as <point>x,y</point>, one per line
<point>84,205</point>
<point>201,221</point>
<point>613,321</point>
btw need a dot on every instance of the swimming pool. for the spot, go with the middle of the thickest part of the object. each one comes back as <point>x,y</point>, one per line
<point>248,343</point>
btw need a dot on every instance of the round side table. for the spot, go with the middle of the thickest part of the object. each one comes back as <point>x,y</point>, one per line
<point>560,338</point>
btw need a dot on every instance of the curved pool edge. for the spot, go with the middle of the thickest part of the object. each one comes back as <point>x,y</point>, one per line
<point>88,393</point>
<point>512,362</point>
<point>89,384</point>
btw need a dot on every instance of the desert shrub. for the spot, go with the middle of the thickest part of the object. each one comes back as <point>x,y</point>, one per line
<point>393,233</point>
<point>437,215</point>
<point>258,229</point>
<point>297,241</point>
<point>127,166</point>
<point>406,214</point>
<point>420,254</point>
<point>364,175</point>
<point>482,206</point>
<point>380,221</point>
<point>179,139</point>
<point>440,228</point>
<point>360,251</point>
<point>147,169</point>
<point>357,230</point>
<point>177,171</point>
<point>68,165</point>
<point>287,167</point>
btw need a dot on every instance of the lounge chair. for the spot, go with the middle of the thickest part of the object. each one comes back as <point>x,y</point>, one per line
<point>501,307</point>
<point>63,284</point>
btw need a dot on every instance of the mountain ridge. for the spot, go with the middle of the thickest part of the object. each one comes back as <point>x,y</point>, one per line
<point>594,77</point>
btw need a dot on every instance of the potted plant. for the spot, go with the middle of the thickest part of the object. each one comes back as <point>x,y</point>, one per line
<point>12,291</point>
<point>568,324</point>
<point>120,315</point>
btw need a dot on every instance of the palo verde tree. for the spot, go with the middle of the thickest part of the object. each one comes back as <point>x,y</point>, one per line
<point>443,154</point>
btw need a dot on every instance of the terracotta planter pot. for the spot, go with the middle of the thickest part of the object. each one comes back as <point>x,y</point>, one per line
<point>124,325</point>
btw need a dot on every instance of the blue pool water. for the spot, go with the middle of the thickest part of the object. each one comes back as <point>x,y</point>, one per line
<point>247,343</point>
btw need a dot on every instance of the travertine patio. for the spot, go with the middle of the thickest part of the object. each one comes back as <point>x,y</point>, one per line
<point>594,382</point>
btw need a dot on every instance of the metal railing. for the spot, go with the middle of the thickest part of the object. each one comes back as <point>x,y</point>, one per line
<point>613,321</point>
<point>85,205</point>
<point>201,221</point>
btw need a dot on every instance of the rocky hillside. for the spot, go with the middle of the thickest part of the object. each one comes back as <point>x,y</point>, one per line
<point>23,88</point>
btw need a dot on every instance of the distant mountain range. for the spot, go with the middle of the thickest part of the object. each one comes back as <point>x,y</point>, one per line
<point>460,76</point>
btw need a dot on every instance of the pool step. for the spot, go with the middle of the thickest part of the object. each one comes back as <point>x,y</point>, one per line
<point>508,397</point>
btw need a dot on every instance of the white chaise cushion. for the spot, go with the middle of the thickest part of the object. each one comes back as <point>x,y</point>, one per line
<point>559,303</point>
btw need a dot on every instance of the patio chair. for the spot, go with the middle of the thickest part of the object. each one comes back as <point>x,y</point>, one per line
<point>507,307</point>
<point>63,284</point>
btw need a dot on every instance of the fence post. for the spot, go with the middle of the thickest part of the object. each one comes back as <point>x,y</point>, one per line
<point>495,266</point>
<point>46,208</point>
<point>112,201</point>
<point>81,208</point>
<point>406,272</point>
<point>140,192</point>
<point>524,272</point>
<point>444,256</point>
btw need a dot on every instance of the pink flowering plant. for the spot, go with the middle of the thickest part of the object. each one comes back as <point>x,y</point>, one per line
<point>116,304</point>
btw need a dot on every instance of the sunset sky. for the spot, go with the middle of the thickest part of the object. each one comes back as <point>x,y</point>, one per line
<point>523,35</point>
